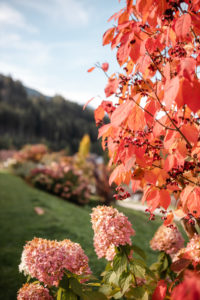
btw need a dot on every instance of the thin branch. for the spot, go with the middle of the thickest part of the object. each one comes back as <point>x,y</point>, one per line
<point>97,65</point>
<point>157,67</point>
<point>183,177</point>
<point>162,106</point>
<point>151,115</point>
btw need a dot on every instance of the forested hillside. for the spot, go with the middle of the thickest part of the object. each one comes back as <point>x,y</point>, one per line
<point>34,118</point>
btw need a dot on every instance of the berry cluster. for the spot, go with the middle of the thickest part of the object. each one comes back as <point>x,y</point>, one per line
<point>178,51</point>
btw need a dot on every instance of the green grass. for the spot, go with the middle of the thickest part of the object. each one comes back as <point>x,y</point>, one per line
<point>19,223</point>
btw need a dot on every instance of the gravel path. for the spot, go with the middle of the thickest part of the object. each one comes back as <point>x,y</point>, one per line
<point>132,204</point>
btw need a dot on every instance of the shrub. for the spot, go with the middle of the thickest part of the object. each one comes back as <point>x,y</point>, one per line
<point>62,179</point>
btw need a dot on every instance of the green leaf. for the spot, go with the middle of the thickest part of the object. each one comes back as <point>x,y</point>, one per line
<point>76,286</point>
<point>113,279</point>
<point>139,251</point>
<point>108,268</point>
<point>165,264</point>
<point>115,291</point>
<point>105,289</point>
<point>150,273</point>
<point>118,295</point>
<point>145,296</point>
<point>64,283</point>
<point>93,284</point>
<point>155,266</point>
<point>92,295</point>
<point>139,262</point>
<point>59,294</point>
<point>107,276</point>
<point>69,295</point>
<point>125,280</point>
<point>138,270</point>
<point>120,264</point>
<point>137,292</point>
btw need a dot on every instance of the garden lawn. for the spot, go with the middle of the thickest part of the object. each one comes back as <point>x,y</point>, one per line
<point>62,220</point>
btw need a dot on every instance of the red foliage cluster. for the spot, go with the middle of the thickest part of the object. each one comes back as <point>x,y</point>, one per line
<point>153,135</point>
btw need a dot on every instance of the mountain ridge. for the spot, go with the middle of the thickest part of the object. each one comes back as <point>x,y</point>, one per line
<point>25,117</point>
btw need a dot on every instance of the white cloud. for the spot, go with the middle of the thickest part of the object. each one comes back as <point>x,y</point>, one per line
<point>72,12</point>
<point>9,16</point>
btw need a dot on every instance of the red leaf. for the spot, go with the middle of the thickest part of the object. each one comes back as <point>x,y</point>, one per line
<point>182,26</point>
<point>170,138</point>
<point>116,173</point>
<point>143,7</point>
<point>129,4</point>
<point>170,162</point>
<point>99,114</point>
<point>104,129</point>
<point>193,202</point>
<point>108,36</point>
<point>191,94</point>
<point>136,120</point>
<point>116,15</point>
<point>160,291</point>
<point>150,177</point>
<point>169,219</point>
<point>187,68</point>
<point>123,53</point>
<point>105,66</point>
<point>165,198</point>
<point>121,113</point>
<point>153,199</point>
<point>191,132</point>
<point>151,106</point>
<point>185,194</point>
<point>120,175</point>
<point>86,104</point>
<point>111,87</point>
<point>170,91</point>
<point>91,69</point>
<point>180,264</point>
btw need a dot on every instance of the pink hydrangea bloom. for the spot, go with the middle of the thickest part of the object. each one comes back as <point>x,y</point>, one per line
<point>46,260</point>
<point>111,229</point>
<point>33,291</point>
<point>167,239</point>
<point>192,251</point>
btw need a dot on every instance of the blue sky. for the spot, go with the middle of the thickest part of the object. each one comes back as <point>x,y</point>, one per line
<point>50,44</point>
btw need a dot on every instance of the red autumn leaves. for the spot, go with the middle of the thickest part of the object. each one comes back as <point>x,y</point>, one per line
<point>153,137</point>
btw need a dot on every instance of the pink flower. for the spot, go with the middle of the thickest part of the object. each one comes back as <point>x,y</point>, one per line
<point>192,251</point>
<point>46,260</point>
<point>189,289</point>
<point>33,291</point>
<point>111,229</point>
<point>167,239</point>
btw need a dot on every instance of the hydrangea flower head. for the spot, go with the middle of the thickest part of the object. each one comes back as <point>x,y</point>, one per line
<point>167,239</point>
<point>192,251</point>
<point>111,229</point>
<point>33,291</point>
<point>46,260</point>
